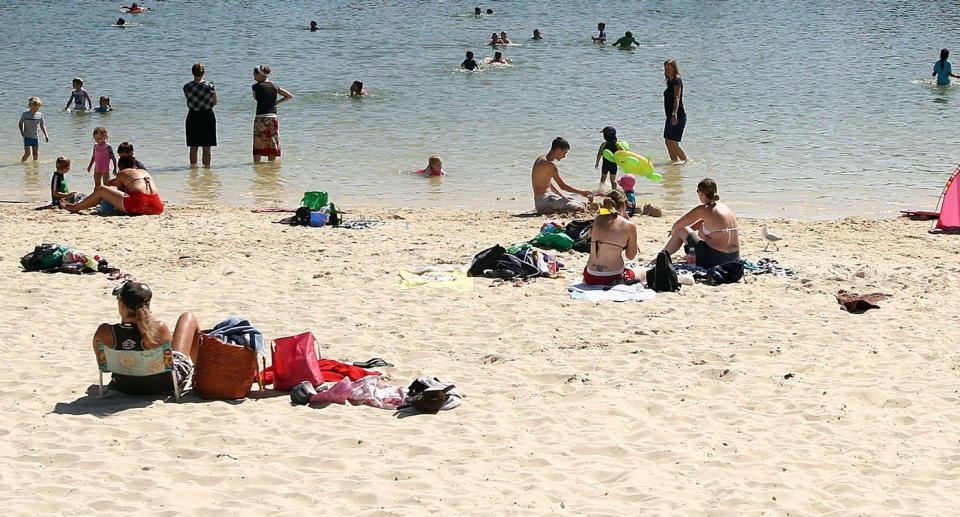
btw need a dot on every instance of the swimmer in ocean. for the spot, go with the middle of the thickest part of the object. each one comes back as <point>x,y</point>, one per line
<point>494,40</point>
<point>497,58</point>
<point>121,22</point>
<point>626,42</point>
<point>503,38</point>
<point>313,25</point>
<point>477,12</point>
<point>356,89</point>
<point>536,34</point>
<point>469,63</point>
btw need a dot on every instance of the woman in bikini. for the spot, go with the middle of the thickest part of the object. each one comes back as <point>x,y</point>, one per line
<point>612,236</point>
<point>139,330</point>
<point>710,230</point>
<point>135,193</point>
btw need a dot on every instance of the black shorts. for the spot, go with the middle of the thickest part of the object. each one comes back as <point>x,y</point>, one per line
<point>608,167</point>
<point>201,128</point>
<point>706,256</point>
<point>675,133</point>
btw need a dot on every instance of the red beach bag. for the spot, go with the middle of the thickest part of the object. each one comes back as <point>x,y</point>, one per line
<point>295,359</point>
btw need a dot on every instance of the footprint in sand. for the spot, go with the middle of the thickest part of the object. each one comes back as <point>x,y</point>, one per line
<point>493,359</point>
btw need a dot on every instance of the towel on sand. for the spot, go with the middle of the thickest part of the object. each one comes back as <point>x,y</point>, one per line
<point>618,293</point>
<point>859,303</point>
<point>448,279</point>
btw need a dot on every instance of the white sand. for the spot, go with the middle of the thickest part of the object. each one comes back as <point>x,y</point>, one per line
<point>679,406</point>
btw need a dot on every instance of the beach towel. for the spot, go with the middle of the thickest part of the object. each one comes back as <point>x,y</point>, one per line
<point>442,279</point>
<point>238,331</point>
<point>369,391</point>
<point>859,303</point>
<point>604,293</point>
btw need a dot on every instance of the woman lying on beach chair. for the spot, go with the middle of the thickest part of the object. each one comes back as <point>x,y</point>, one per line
<point>139,330</point>
<point>612,236</point>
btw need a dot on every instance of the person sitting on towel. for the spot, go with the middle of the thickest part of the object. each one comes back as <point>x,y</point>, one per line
<point>612,236</point>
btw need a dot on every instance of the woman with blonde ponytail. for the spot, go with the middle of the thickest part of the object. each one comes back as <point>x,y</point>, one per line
<point>612,236</point>
<point>139,330</point>
<point>710,229</point>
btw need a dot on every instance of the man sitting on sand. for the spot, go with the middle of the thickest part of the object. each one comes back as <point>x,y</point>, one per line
<point>548,197</point>
<point>137,193</point>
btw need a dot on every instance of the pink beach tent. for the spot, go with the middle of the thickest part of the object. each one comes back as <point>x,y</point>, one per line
<point>950,205</point>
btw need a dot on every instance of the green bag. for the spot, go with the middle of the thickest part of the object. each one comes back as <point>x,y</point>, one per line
<point>55,258</point>
<point>335,217</point>
<point>559,241</point>
<point>314,200</point>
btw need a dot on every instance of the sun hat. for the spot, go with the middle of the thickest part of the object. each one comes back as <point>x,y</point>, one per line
<point>627,181</point>
<point>133,294</point>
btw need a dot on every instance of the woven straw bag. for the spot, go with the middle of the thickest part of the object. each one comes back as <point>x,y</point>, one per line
<point>223,371</point>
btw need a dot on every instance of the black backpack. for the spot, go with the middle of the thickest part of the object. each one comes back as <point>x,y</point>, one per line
<point>486,259</point>
<point>663,277</point>
<point>32,261</point>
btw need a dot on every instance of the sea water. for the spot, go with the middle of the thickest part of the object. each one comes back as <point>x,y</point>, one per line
<point>801,109</point>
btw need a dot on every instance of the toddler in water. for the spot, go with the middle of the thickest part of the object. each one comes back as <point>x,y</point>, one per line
<point>104,105</point>
<point>627,182</point>
<point>79,97</point>
<point>603,35</point>
<point>434,167</point>
<point>31,124</point>
<point>102,158</point>
<point>469,63</point>
<point>58,184</point>
<point>126,149</point>
<point>610,144</point>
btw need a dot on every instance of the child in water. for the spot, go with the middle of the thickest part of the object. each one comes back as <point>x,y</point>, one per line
<point>79,97</point>
<point>31,125</point>
<point>536,34</point>
<point>469,63</point>
<point>104,105</point>
<point>313,25</point>
<point>627,182</point>
<point>494,40</point>
<point>504,39</point>
<point>610,144</point>
<point>434,167</point>
<point>943,70</point>
<point>603,35</point>
<point>102,158</point>
<point>497,58</point>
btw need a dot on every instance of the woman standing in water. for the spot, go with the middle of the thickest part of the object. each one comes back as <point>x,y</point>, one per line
<point>673,108</point>
<point>201,122</point>
<point>266,130</point>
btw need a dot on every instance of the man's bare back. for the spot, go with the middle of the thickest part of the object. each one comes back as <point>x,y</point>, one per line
<point>544,171</point>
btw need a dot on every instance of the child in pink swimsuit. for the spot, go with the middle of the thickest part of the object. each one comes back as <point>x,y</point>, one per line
<point>102,157</point>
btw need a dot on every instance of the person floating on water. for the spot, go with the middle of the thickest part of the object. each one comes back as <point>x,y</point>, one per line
<point>548,197</point>
<point>469,63</point>
<point>356,89</point>
<point>602,37</point>
<point>497,58</point>
<point>134,8</point>
<point>942,68</point>
<point>434,167</point>
<point>626,42</point>
<point>313,25</point>
<point>121,22</point>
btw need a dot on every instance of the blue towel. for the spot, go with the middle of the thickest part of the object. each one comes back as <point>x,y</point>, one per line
<point>238,331</point>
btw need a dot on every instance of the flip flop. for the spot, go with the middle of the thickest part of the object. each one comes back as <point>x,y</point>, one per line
<point>372,363</point>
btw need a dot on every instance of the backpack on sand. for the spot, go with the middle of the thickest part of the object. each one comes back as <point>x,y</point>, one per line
<point>663,277</point>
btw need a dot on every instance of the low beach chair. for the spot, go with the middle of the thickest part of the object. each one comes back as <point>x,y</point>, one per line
<point>137,363</point>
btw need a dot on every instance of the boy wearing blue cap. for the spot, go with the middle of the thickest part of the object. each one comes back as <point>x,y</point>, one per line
<point>609,142</point>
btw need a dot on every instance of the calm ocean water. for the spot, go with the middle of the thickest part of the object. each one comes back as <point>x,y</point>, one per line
<point>804,109</point>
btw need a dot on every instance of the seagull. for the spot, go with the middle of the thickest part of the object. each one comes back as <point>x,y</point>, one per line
<point>770,237</point>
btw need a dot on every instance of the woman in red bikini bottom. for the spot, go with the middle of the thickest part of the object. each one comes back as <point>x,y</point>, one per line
<point>612,236</point>
<point>135,194</point>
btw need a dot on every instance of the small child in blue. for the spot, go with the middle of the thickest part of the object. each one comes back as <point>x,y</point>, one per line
<point>942,69</point>
<point>627,182</point>
<point>609,143</point>
<point>602,37</point>
<point>31,124</point>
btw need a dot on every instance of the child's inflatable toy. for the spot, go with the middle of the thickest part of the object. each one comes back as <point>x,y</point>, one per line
<point>632,163</point>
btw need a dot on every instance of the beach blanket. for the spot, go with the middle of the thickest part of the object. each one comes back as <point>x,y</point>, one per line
<point>618,293</point>
<point>239,331</point>
<point>369,391</point>
<point>450,279</point>
<point>765,266</point>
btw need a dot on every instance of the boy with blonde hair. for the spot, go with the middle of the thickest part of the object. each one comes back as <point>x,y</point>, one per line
<point>31,124</point>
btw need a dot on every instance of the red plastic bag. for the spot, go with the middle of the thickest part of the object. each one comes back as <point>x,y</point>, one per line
<point>295,359</point>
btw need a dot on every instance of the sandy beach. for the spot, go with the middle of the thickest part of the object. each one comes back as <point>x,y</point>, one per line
<point>762,397</point>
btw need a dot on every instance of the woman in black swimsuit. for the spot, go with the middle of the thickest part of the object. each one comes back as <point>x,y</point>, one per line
<point>612,236</point>
<point>139,330</point>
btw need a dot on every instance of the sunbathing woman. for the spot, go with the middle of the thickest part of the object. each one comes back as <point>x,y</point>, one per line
<point>612,235</point>
<point>709,230</point>
<point>139,330</point>
<point>135,193</point>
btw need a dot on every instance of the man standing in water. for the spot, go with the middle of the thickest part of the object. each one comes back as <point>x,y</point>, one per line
<point>548,197</point>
